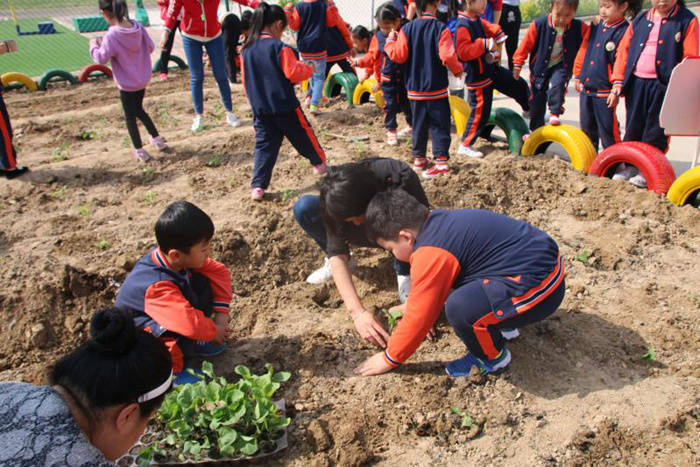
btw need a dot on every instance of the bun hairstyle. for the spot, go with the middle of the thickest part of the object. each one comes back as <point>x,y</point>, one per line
<point>118,365</point>
<point>116,8</point>
<point>263,16</point>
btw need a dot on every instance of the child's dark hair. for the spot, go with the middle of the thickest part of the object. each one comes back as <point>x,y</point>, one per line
<point>181,226</point>
<point>116,8</point>
<point>391,211</point>
<point>246,19</point>
<point>264,15</point>
<point>633,7</point>
<point>361,32</point>
<point>422,4</point>
<point>116,366</point>
<point>570,3</point>
<point>346,190</point>
<point>387,12</point>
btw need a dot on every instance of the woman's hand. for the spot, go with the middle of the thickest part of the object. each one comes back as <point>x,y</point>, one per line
<point>370,329</point>
<point>374,365</point>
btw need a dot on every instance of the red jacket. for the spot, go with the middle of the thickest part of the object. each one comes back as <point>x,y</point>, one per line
<point>199,17</point>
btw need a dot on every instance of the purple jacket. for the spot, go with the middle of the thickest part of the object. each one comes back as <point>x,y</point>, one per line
<point>129,49</point>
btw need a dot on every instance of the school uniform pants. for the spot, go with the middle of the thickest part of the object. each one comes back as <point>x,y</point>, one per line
<point>194,52</point>
<point>270,131</point>
<point>598,121</point>
<point>643,99</point>
<point>474,319</point>
<point>307,213</point>
<point>550,92</point>
<point>165,52</point>
<point>480,100</point>
<point>132,103</point>
<point>431,117</point>
<point>8,155</point>
<point>344,65</point>
<point>510,24</point>
<point>231,33</point>
<point>395,101</point>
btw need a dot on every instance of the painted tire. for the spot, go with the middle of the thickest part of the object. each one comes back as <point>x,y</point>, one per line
<point>649,160</point>
<point>512,124</point>
<point>93,69</point>
<point>364,90</point>
<point>685,188</point>
<point>173,58</point>
<point>305,84</point>
<point>575,142</point>
<point>15,77</point>
<point>51,75</point>
<point>338,81</point>
<point>460,111</point>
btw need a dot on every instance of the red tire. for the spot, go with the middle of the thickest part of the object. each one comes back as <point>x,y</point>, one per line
<point>94,68</point>
<point>649,160</point>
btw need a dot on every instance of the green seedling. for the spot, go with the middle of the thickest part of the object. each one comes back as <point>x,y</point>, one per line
<point>467,421</point>
<point>288,194</point>
<point>650,355</point>
<point>359,147</point>
<point>59,193</point>
<point>584,256</point>
<point>150,197</point>
<point>695,298</point>
<point>62,152</point>
<point>102,245</point>
<point>219,112</point>
<point>84,210</point>
<point>392,317</point>
<point>148,172</point>
<point>126,142</point>
<point>215,418</point>
<point>214,161</point>
<point>88,135</point>
<point>232,182</point>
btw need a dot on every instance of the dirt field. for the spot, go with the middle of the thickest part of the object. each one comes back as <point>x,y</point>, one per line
<point>577,391</point>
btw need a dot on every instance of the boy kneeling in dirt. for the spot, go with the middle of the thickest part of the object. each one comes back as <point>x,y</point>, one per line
<point>503,273</point>
<point>177,292</point>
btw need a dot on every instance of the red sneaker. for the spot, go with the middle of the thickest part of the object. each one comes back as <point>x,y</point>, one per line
<point>437,169</point>
<point>419,164</point>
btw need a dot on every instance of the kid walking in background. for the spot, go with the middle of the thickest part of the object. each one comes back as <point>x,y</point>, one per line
<point>478,47</point>
<point>168,46</point>
<point>177,292</point>
<point>128,46</point>
<point>655,42</point>
<point>554,41</point>
<point>270,70</point>
<point>425,48</point>
<point>8,154</point>
<point>310,18</point>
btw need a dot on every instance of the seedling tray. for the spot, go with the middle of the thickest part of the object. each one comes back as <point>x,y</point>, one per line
<point>130,459</point>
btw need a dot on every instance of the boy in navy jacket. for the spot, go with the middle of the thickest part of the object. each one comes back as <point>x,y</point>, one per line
<point>177,292</point>
<point>552,43</point>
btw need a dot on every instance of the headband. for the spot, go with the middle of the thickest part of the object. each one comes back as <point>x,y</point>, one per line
<point>153,393</point>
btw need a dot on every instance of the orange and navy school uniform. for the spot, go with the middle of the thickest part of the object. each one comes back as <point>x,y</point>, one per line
<point>647,54</point>
<point>425,49</point>
<point>548,83</point>
<point>310,18</point>
<point>176,306</point>
<point>8,155</point>
<point>270,70</point>
<point>339,43</point>
<point>489,271</point>
<point>372,60</point>
<point>593,69</point>
<point>402,6</point>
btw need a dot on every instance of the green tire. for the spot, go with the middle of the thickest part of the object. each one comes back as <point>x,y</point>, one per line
<point>56,75</point>
<point>338,81</point>
<point>173,58</point>
<point>512,124</point>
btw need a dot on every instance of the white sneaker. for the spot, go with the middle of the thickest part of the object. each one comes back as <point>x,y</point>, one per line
<point>624,172</point>
<point>554,120</point>
<point>232,120</point>
<point>404,283</point>
<point>510,333</point>
<point>197,123</point>
<point>406,132</point>
<point>322,274</point>
<point>391,138</point>
<point>639,181</point>
<point>469,151</point>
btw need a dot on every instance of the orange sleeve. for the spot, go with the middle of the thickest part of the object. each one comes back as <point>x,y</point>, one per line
<point>690,42</point>
<point>396,47</point>
<point>466,48</point>
<point>496,5</point>
<point>433,271</point>
<point>372,55</point>
<point>165,303</point>
<point>332,15</point>
<point>578,62</point>
<point>220,280</point>
<point>623,49</point>
<point>446,50</point>
<point>293,18</point>
<point>293,69</point>
<point>492,30</point>
<point>174,8</point>
<point>345,32</point>
<point>525,46</point>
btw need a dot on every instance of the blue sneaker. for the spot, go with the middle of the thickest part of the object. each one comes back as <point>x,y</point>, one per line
<point>462,366</point>
<point>208,349</point>
<point>184,377</point>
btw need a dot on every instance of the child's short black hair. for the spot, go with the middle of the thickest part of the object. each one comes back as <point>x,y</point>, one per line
<point>633,7</point>
<point>570,3</point>
<point>422,4</point>
<point>246,18</point>
<point>361,32</point>
<point>181,226</point>
<point>387,12</point>
<point>391,211</point>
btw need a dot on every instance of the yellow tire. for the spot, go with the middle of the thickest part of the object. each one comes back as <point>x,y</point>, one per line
<point>305,83</point>
<point>575,142</point>
<point>364,90</point>
<point>460,111</point>
<point>684,186</point>
<point>15,77</point>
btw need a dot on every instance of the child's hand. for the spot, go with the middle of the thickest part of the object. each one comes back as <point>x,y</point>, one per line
<point>613,99</point>
<point>370,329</point>
<point>375,87</point>
<point>578,85</point>
<point>374,365</point>
<point>221,334</point>
<point>393,35</point>
<point>516,73</point>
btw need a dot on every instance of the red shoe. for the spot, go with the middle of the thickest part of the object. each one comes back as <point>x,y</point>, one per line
<point>419,164</point>
<point>436,170</point>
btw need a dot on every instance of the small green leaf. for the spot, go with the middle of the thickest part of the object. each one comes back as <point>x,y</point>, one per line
<point>467,421</point>
<point>650,355</point>
<point>281,376</point>
<point>208,369</point>
<point>250,448</point>
<point>455,410</point>
<point>583,257</point>
<point>243,371</point>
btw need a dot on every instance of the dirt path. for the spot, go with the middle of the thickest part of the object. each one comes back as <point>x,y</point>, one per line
<point>577,392</point>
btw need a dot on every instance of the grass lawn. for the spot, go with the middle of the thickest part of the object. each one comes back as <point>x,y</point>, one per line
<point>66,50</point>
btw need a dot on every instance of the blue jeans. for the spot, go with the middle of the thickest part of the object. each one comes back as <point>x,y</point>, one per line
<point>193,52</point>
<point>307,213</point>
<point>317,80</point>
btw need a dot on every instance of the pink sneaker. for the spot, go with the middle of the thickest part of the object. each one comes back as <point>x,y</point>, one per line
<point>163,76</point>
<point>320,169</point>
<point>159,143</point>
<point>419,164</point>
<point>554,120</point>
<point>142,155</point>
<point>436,170</point>
<point>257,194</point>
